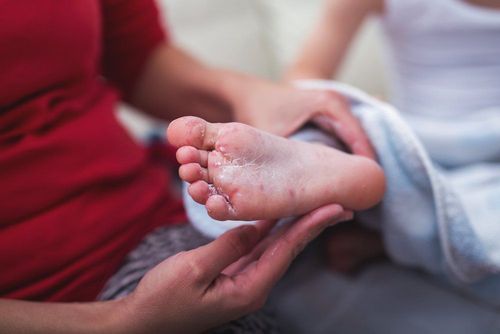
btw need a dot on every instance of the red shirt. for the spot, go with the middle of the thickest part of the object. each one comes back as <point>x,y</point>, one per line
<point>76,192</point>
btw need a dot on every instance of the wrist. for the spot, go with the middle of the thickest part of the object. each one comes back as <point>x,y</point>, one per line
<point>116,316</point>
<point>131,315</point>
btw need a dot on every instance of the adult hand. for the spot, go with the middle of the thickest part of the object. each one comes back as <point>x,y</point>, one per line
<point>283,109</point>
<point>230,277</point>
<point>174,84</point>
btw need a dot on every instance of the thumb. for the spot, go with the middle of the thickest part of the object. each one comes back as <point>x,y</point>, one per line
<point>214,257</point>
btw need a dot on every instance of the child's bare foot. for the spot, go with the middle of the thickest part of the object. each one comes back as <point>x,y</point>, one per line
<point>241,173</point>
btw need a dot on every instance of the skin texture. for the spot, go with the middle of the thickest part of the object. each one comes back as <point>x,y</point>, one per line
<point>239,172</point>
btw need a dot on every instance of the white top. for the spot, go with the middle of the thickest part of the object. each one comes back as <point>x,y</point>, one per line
<point>445,56</point>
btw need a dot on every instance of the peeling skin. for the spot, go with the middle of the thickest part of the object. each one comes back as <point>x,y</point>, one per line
<point>262,176</point>
<point>231,208</point>
<point>203,130</point>
<point>212,190</point>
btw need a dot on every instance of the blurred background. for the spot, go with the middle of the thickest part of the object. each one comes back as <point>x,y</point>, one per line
<point>262,36</point>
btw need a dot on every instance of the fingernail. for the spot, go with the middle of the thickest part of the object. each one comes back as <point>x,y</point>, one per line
<point>348,215</point>
<point>344,218</point>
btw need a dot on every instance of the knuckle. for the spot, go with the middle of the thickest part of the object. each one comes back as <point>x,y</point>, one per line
<point>179,257</point>
<point>291,247</point>
<point>194,269</point>
<point>238,243</point>
<point>287,242</point>
<point>235,245</point>
<point>332,100</point>
<point>323,97</point>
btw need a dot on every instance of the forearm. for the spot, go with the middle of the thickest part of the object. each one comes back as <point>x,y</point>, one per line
<point>174,84</point>
<point>322,53</point>
<point>32,317</point>
<point>324,50</point>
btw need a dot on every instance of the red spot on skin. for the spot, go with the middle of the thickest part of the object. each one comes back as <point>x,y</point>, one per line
<point>291,192</point>
<point>261,187</point>
<point>234,192</point>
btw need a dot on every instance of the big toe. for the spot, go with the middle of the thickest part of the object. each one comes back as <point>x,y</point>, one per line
<point>192,131</point>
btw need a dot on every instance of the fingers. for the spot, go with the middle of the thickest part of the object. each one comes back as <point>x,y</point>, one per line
<point>207,262</point>
<point>264,227</point>
<point>277,257</point>
<point>247,291</point>
<point>337,118</point>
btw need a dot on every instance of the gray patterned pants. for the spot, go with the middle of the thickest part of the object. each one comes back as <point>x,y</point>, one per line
<point>161,244</point>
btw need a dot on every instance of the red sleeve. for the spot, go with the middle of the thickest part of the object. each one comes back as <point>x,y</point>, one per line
<point>131,31</point>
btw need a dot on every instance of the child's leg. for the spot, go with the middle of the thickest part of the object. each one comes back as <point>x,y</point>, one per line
<point>242,173</point>
<point>348,247</point>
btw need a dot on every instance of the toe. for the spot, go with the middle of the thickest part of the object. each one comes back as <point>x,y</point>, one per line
<point>203,156</point>
<point>193,172</point>
<point>192,131</point>
<point>190,154</point>
<point>187,154</point>
<point>217,207</point>
<point>199,191</point>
